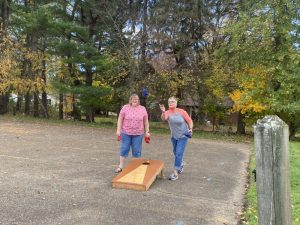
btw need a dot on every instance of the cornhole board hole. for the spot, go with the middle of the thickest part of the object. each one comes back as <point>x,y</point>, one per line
<point>139,174</point>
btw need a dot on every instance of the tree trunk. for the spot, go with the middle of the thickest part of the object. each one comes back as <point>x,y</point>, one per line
<point>90,116</point>
<point>76,111</point>
<point>292,130</point>
<point>61,106</point>
<point>76,82</point>
<point>143,40</point>
<point>27,104</point>
<point>4,14</point>
<point>89,111</point>
<point>36,104</point>
<point>19,103</point>
<point>4,99</point>
<point>241,124</point>
<point>44,104</point>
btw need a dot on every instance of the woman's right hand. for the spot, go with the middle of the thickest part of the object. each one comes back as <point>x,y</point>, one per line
<point>118,133</point>
<point>162,107</point>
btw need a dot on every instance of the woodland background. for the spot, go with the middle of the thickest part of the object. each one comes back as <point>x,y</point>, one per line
<point>83,58</point>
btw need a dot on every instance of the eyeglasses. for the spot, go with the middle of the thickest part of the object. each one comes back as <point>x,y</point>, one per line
<point>171,101</point>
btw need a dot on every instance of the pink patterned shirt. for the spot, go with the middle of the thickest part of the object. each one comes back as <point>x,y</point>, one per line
<point>133,119</point>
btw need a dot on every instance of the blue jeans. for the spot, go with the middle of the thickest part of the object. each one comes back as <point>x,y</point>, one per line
<point>133,141</point>
<point>178,150</point>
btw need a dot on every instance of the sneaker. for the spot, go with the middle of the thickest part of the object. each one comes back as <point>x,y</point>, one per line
<point>118,170</point>
<point>181,168</point>
<point>173,176</point>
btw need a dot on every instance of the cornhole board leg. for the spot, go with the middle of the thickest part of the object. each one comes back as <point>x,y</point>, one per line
<point>161,174</point>
<point>139,174</point>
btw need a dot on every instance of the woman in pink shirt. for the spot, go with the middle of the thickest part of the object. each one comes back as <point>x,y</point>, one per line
<point>132,124</point>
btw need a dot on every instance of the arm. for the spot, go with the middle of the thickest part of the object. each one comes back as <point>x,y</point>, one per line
<point>146,125</point>
<point>163,111</point>
<point>119,125</point>
<point>163,118</point>
<point>188,119</point>
<point>120,122</point>
<point>190,124</point>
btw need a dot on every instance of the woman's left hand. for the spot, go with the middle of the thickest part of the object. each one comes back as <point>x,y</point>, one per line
<point>147,134</point>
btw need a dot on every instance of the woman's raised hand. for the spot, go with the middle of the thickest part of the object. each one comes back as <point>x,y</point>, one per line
<point>162,107</point>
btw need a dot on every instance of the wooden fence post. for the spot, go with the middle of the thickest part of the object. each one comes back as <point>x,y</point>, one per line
<point>271,137</point>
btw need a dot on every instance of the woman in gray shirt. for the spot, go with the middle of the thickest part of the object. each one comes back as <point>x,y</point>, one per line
<point>181,126</point>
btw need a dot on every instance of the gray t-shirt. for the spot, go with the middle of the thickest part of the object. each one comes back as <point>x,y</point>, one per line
<point>178,125</point>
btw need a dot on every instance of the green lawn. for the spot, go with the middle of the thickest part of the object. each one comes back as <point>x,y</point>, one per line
<point>250,214</point>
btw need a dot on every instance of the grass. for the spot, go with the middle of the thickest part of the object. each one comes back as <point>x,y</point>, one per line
<point>250,213</point>
<point>104,122</point>
<point>295,181</point>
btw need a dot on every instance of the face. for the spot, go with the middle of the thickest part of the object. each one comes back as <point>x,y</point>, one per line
<point>134,101</point>
<point>172,104</point>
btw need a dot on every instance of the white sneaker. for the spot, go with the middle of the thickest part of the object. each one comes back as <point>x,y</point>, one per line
<point>173,176</point>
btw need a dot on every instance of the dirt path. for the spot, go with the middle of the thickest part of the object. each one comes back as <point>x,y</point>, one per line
<point>61,174</point>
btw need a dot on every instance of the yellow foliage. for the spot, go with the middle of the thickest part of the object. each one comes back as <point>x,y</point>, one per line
<point>20,68</point>
<point>98,83</point>
<point>250,97</point>
<point>35,58</point>
<point>68,103</point>
<point>216,83</point>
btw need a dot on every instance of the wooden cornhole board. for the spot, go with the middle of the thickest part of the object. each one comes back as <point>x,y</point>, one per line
<point>139,174</point>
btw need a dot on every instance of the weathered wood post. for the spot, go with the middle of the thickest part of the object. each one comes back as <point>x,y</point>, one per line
<point>271,137</point>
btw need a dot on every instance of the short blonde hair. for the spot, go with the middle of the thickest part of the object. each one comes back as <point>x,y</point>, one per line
<point>173,99</point>
<point>131,96</point>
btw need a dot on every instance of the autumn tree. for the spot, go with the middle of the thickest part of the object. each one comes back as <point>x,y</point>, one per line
<point>261,50</point>
<point>4,17</point>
